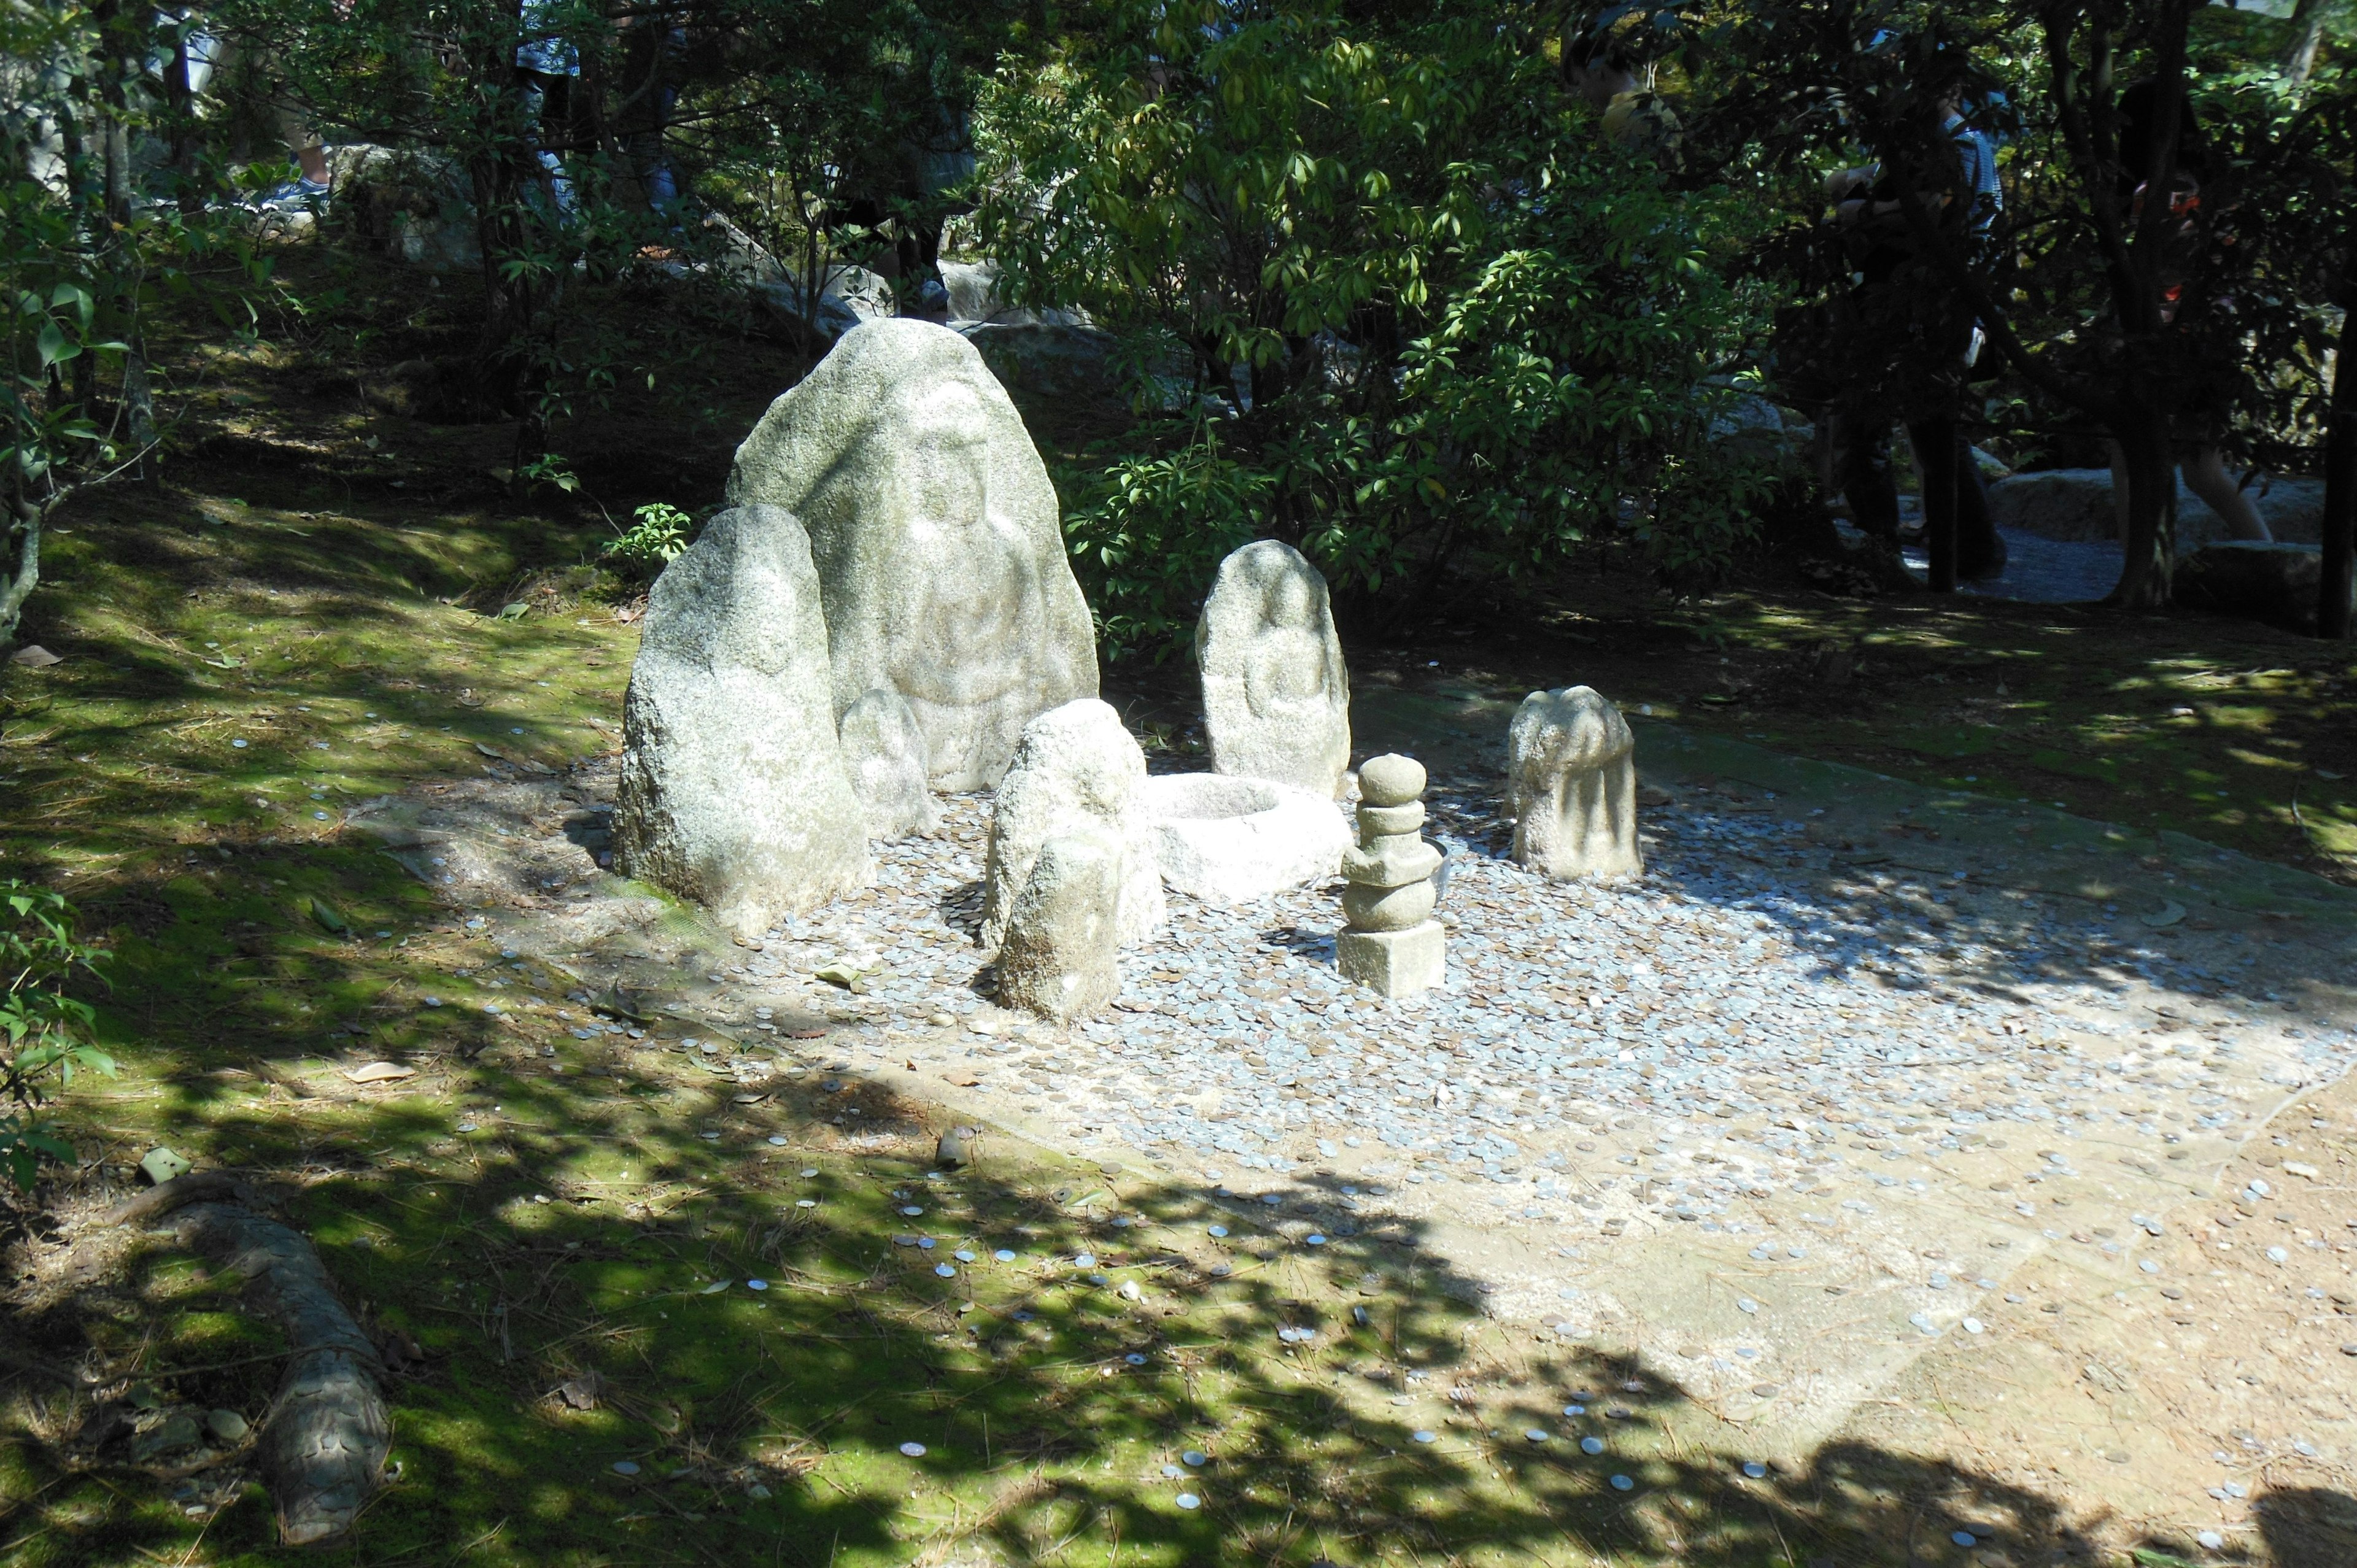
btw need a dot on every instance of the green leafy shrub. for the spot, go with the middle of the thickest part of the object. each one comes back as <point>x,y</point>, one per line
<point>1153,529</point>
<point>652,542</point>
<point>47,1031</point>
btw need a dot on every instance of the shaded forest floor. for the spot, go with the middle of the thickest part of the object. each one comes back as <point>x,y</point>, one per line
<point>327,600</point>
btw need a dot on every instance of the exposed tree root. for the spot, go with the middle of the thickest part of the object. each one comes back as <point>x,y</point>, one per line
<point>323,1444</point>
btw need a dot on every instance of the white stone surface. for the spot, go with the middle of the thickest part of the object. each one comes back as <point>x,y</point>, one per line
<point>1061,955</point>
<point>1276,695</point>
<point>733,792</point>
<point>885,752</point>
<point>1571,786</point>
<point>1075,768</point>
<point>937,537</point>
<point>1231,841</point>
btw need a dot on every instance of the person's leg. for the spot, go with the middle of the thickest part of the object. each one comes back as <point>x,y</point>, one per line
<point>1980,548</point>
<point>2205,476</point>
<point>1935,455</point>
<point>1861,455</point>
<point>295,128</point>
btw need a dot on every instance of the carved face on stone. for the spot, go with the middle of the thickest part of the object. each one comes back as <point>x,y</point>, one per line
<point>1285,670</point>
<point>978,607</point>
<point>937,538</point>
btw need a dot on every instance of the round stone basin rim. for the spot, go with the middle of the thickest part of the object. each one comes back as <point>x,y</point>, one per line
<point>1209,797</point>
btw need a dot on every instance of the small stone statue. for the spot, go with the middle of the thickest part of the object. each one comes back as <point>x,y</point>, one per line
<point>1276,695</point>
<point>1393,945</point>
<point>1571,784</point>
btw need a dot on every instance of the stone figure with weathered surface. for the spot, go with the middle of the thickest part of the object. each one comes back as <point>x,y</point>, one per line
<point>1075,769</point>
<point>1571,784</point>
<point>939,544</point>
<point>1060,958</point>
<point>1392,945</point>
<point>885,752</point>
<point>1277,697</point>
<point>732,790</point>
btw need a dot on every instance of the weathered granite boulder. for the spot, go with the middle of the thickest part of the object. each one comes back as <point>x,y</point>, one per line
<point>937,537</point>
<point>1276,696</point>
<point>414,207</point>
<point>2279,584</point>
<point>885,752</point>
<point>1232,841</point>
<point>1061,955</point>
<point>1571,784</point>
<point>733,789</point>
<point>1076,770</point>
<point>2076,504</point>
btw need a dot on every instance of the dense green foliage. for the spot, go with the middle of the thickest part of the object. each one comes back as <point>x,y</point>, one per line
<point>1420,317</point>
<point>2205,318</point>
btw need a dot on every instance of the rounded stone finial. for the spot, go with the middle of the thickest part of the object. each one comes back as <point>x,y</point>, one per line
<point>1391,779</point>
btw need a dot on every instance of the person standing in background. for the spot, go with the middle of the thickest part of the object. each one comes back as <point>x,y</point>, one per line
<point>1916,330</point>
<point>2198,456</point>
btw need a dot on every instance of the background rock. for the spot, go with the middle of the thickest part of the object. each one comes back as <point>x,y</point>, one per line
<point>848,297</point>
<point>2279,584</point>
<point>2076,504</point>
<point>414,207</point>
<point>733,789</point>
<point>937,538</point>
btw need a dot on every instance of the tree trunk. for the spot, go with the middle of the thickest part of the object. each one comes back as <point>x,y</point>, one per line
<point>499,169</point>
<point>2332,611</point>
<point>180,113</point>
<point>26,526</point>
<point>2307,36</point>
<point>2143,435</point>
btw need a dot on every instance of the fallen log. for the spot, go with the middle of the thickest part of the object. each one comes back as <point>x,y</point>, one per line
<point>324,1442</point>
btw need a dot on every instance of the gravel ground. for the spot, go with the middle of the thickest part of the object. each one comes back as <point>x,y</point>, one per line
<point>2043,570</point>
<point>1722,987</point>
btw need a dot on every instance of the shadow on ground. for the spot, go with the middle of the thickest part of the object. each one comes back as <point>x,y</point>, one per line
<point>558,1275</point>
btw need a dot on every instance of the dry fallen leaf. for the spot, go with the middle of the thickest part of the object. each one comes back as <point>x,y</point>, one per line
<point>380,1072</point>
<point>962,1076</point>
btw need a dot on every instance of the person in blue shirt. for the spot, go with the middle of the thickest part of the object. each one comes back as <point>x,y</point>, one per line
<point>549,69</point>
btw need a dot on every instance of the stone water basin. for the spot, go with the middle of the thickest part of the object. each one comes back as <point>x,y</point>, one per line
<point>1229,841</point>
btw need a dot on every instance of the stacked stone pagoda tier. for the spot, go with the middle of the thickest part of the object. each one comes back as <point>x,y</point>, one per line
<point>1393,944</point>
